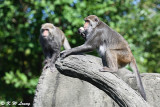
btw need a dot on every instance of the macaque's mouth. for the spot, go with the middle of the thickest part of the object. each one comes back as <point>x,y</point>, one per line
<point>44,36</point>
<point>82,32</point>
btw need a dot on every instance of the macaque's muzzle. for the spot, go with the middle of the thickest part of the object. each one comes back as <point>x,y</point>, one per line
<point>45,33</point>
<point>82,32</point>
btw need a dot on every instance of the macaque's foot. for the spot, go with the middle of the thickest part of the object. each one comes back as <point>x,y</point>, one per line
<point>46,61</point>
<point>47,65</point>
<point>106,69</point>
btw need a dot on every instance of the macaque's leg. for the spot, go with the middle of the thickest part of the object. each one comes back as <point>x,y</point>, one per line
<point>51,59</point>
<point>77,50</point>
<point>47,60</point>
<point>109,61</point>
<point>55,56</point>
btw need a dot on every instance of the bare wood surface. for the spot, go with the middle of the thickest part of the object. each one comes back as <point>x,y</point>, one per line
<point>87,67</point>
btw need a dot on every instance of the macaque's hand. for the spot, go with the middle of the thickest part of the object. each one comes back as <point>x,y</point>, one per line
<point>63,54</point>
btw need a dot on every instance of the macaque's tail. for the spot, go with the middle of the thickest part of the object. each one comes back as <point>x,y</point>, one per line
<point>138,78</point>
<point>66,44</point>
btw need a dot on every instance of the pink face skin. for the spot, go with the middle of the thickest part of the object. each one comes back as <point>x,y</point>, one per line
<point>45,33</point>
<point>86,25</point>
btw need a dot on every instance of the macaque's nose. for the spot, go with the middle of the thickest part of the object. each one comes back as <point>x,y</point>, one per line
<point>45,33</point>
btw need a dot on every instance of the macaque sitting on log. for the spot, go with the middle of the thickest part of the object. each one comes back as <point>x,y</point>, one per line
<point>112,47</point>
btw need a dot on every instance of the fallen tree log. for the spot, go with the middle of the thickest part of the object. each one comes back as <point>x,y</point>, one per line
<point>58,90</point>
<point>83,68</point>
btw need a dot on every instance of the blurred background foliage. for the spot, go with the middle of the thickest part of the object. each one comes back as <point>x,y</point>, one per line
<point>21,56</point>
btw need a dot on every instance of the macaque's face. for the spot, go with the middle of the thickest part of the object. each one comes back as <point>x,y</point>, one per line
<point>46,30</point>
<point>90,24</point>
<point>83,31</point>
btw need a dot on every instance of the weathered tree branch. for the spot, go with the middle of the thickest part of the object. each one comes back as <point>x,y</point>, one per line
<point>83,67</point>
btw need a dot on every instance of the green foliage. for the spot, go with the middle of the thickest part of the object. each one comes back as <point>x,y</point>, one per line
<point>20,80</point>
<point>20,21</point>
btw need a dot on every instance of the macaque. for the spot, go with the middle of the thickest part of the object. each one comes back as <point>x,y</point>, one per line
<point>51,39</point>
<point>111,46</point>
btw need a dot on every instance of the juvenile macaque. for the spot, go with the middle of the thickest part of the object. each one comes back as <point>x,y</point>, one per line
<point>51,39</point>
<point>112,47</point>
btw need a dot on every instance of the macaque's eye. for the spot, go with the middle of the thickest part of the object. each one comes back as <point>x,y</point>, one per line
<point>45,30</point>
<point>87,21</point>
<point>96,19</point>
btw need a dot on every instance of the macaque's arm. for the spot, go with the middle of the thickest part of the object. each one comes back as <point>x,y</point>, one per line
<point>77,50</point>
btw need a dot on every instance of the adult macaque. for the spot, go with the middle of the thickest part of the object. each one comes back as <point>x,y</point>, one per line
<point>51,39</point>
<point>112,47</point>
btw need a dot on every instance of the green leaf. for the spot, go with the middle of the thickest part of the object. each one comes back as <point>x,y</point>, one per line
<point>27,51</point>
